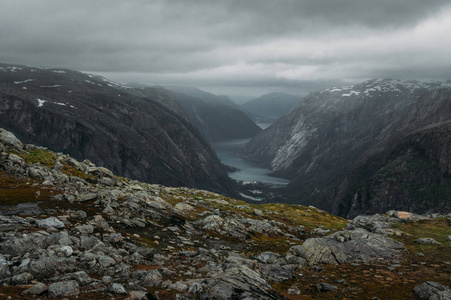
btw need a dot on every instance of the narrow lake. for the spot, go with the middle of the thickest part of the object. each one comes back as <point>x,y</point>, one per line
<point>249,170</point>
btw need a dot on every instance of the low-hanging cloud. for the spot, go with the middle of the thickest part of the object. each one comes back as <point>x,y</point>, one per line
<point>247,46</point>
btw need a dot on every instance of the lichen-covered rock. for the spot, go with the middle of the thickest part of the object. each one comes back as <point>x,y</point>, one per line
<point>50,266</point>
<point>4,268</point>
<point>427,241</point>
<point>63,289</point>
<point>429,289</point>
<point>117,288</point>
<point>10,139</point>
<point>325,287</point>
<point>50,222</point>
<point>351,246</point>
<point>36,289</point>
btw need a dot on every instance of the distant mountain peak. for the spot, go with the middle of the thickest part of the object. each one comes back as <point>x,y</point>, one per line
<point>377,86</point>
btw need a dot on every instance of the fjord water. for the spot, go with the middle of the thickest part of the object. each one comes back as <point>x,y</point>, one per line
<point>249,170</point>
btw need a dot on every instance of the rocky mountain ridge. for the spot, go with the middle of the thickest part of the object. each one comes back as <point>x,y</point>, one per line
<point>330,132</point>
<point>409,168</point>
<point>141,133</point>
<point>69,229</point>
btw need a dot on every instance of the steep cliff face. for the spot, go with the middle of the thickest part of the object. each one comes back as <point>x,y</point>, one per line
<point>409,169</point>
<point>138,133</point>
<point>216,117</point>
<point>324,135</point>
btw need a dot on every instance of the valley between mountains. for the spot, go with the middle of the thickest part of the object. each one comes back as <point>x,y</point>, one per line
<point>114,191</point>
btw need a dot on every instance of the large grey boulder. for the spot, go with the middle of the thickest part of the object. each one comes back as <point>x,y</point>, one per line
<point>51,266</point>
<point>50,222</point>
<point>4,268</point>
<point>36,289</point>
<point>351,246</point>
<point>63,289</point>
<point>117,288</point>
<point>10,139</point>
<point>22,245</point>
<point>152,278</point>
<point>432,290</point>
<point>427,241</point>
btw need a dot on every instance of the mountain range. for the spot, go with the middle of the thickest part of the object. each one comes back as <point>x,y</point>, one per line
<point>141,133</point>
<point>270,106</point>
<point>217,117</point>
<point>338,130</point>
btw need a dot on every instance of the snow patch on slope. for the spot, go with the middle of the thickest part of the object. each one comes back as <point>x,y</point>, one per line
<point>24,81</point>
<point>351,93</point>
<point>41,102</point>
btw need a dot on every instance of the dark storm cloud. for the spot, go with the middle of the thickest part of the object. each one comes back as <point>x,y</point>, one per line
<point>259,45</point>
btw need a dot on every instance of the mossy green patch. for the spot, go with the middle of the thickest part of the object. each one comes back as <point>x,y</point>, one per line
<point>40,156</point>
<point>438,229</point>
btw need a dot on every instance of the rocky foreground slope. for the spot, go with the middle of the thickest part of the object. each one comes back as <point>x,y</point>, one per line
<point>69,229</point>
<point>140,133</point>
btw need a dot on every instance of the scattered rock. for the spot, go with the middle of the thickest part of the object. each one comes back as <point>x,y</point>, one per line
<point>325,287</point>
<point>23,278</point>
<point>66,251</point>
<point>51,222</point>
<point>294,290</point>
<point>427,241</point>
<point>428,289</point>
<point>63,289</point>
<point>87,197</point>
<point>4,268</point>
<point>178,286</point>
<point>84,229</point>
<point>36,289</point>
<point>183,206</point>
<point>117,288</point>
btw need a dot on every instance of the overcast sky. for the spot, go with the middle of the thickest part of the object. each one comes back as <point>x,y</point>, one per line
<point>242,47</point>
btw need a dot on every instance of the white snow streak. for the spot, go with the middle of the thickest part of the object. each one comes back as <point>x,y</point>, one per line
<point>41,102</point>
<point>25,81</point>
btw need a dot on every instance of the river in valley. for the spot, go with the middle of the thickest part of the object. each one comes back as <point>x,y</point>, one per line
<point>250,171</point>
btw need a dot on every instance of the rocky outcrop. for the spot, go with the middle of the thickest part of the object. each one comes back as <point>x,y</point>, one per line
<point>137,133</point>
<point>430,290</point>
<point>353,246</point>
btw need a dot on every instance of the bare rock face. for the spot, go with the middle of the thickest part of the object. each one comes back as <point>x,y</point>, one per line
<point>408,170</point>
<point>432,290</point>
<point>353,246</point>
<point>138,133</point>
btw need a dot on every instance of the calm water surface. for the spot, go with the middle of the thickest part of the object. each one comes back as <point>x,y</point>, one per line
<point>249,170</point>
